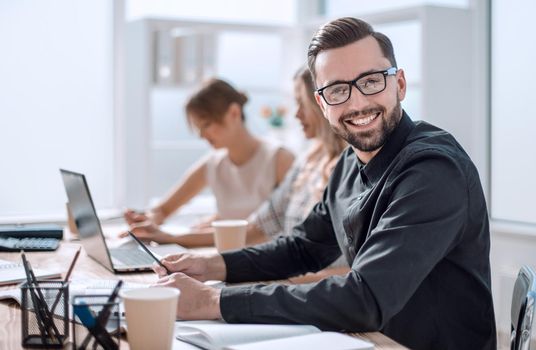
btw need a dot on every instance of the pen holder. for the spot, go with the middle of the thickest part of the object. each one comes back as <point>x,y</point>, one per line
<point>100,320</point>
<point>45,318</point>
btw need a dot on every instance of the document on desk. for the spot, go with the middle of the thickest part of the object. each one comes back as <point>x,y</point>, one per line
<point>317,341</point>
<point>13,273</point>
<point>216,335</point>
<point>78,287</point>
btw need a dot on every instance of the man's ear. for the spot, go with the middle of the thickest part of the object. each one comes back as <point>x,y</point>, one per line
<point>401,84</point>
<point>320,103</point>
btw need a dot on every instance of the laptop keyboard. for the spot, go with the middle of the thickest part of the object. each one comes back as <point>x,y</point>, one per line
<point>132,257</point>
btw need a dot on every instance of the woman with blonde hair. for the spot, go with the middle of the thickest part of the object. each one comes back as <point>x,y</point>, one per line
<point>305,182</point>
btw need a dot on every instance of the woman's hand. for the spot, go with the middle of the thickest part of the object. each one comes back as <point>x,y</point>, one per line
<point>155,216</point>
<point>205,224</point>
<point>133,217</point>
<point>148,231</point>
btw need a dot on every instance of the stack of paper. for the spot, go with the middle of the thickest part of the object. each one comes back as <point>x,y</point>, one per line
<point>217,335</point>
<point>13,273</point>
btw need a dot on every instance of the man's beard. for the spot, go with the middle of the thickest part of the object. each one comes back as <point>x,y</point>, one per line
<point>370,140</point>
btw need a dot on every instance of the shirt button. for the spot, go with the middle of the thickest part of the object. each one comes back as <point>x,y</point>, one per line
<point>350,239</point>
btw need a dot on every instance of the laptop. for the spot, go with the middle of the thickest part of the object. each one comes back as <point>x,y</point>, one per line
<point>126,258</point>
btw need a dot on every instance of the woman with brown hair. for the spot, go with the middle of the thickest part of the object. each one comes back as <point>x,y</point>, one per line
<point>242,170</point>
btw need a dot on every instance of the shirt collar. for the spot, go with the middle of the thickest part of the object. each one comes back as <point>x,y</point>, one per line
<point>374,169</point>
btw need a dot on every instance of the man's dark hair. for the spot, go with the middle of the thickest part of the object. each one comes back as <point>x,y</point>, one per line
<point>344,31</point>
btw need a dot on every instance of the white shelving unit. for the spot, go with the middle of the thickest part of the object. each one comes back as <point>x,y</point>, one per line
<point>443,77</point>
<point>439,76</point>
<point>164,61</point>
<point>439,82</point>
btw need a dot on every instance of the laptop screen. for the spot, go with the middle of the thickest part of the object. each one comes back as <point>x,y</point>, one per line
<point>85,217</point>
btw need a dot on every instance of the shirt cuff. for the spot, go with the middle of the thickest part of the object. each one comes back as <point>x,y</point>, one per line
<point>234,303</point>
<point>236,265</point>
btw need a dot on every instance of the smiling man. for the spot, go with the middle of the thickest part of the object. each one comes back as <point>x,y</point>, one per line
<point>404,205</point>
<point>368,116</point>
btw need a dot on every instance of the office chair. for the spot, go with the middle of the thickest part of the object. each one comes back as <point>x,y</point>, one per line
<point>523,309</point>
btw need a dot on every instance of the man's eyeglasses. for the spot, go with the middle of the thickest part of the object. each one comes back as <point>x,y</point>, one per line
<point>368,84</point>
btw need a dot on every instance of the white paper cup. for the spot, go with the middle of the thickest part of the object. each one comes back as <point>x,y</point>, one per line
<point>229,234</point>
<point>150,315</point>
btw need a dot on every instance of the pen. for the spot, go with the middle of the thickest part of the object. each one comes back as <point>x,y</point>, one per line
<point>42,307</point>
<point>39,317</point>
<point>97,327</point>
<point>48,318</point>
<point>67,276</point>
<point>71,267</point>
<point>149,252</point>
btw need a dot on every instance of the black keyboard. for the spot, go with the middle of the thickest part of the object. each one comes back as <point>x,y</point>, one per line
<point>10,244</point>
<point>31,231</point>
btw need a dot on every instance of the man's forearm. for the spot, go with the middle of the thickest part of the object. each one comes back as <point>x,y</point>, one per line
<point>285,257</point>
<point>217,268</point>
<point>336,303</point>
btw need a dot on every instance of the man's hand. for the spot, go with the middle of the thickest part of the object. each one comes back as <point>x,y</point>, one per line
<point>196,300</point>
<point>199,267</point>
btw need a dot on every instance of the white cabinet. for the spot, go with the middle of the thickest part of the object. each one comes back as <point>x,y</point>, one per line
<point>164,62</point>
<point>433,46</point>
<point>443,76</point>
<point>443,68</point>
<point>165,59</point>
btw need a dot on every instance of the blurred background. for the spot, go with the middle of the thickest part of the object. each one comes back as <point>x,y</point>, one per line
<point>98,87</point>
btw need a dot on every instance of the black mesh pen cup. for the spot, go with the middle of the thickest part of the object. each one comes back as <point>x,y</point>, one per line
<point>96,322</point>
<point>45,314</point>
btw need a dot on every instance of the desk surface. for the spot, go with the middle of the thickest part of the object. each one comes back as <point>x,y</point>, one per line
<point>10,320</point>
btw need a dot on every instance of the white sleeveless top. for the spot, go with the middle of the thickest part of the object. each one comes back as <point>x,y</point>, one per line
<point>240,190</point>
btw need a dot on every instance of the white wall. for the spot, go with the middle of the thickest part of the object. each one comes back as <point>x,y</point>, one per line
<point>513,159</point>
<point>56,102</point>
<point>341,7</point>
<point>513,125</point>
<point>246,11</point>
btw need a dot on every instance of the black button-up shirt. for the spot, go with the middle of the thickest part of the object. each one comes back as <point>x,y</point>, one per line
<point>412,224</point>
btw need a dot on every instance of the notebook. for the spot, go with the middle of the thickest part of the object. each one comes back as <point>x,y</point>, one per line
<point>89,286</point>
<point>12,273</point>
<point>316,341</point>
<point>127,258</point>
<point>217,335</point>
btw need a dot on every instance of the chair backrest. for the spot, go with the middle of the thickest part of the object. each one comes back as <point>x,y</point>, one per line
<point>523,309</point>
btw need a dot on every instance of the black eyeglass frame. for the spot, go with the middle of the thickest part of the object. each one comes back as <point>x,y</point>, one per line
<point>351,83</point>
